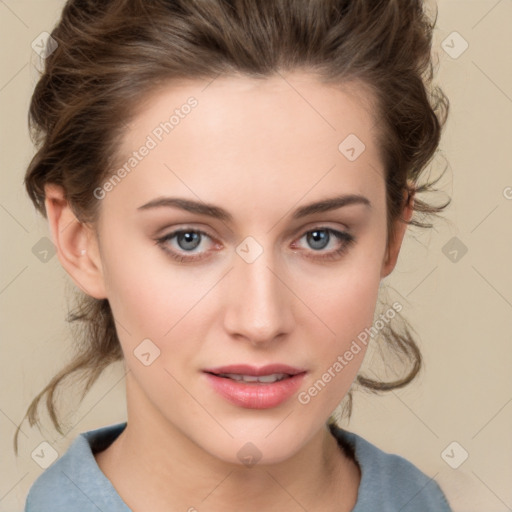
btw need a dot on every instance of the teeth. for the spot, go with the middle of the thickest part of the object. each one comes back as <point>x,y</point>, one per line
<point>274,377</point>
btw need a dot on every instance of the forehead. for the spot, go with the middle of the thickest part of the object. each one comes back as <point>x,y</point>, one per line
<point>239,137</point>
<point>262,105</point>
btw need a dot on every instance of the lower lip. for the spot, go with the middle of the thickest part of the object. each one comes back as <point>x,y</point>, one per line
<point>258,395</point>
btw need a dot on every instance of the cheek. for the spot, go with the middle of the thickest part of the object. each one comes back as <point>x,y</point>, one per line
<point>153,299</point>
<point>345,299</point>
<point>145,293</point>
<point>354,315</point>
<point>357,302</point>
<point>347,308</point>
<point>345,303</point>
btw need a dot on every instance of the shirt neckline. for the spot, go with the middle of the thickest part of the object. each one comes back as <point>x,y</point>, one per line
<point>94,441</point>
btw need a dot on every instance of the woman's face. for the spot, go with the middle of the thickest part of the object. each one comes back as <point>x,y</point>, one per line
<point>259,276</point>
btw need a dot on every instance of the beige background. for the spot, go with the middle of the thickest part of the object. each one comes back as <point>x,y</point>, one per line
<point>461,310</point>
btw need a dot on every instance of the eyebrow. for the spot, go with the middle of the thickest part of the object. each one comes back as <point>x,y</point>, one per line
<point>217,212</point>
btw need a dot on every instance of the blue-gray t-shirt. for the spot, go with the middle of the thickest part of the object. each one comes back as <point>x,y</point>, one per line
<point>389,483</point>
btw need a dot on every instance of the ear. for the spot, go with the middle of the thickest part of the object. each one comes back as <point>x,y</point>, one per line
<point>395,243</point>
<point>75,242</point>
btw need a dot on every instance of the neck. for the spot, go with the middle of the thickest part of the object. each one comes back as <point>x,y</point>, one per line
<point>175,470</point>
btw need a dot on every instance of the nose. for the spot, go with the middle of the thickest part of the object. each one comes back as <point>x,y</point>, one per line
<point>259,305</point>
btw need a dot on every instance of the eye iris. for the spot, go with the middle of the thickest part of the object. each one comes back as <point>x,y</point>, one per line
<point>190,238</point>
<point>316,236</point>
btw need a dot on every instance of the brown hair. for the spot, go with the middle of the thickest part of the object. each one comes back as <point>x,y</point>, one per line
<point>113,53</point>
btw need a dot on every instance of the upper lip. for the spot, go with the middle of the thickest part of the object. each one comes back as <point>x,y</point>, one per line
<point>245,369</point>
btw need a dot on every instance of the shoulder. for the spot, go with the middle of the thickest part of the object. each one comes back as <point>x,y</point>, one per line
<point>74,481</point>
<point>388,481</point>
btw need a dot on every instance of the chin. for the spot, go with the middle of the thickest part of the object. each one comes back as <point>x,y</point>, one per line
<point>249,454</point>
<point>260,445</point>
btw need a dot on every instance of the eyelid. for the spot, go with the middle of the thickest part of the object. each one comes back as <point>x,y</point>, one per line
<point>165,236</point>
<point>319,224</point>
<point>343,236</point>
<point>294,232</point>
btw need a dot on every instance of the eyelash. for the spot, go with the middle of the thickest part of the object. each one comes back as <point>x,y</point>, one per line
<point>347,238</point>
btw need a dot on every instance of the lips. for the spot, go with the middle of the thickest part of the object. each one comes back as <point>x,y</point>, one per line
<point>255,387</point>
<point>274,377</point>
<point>245,369</point>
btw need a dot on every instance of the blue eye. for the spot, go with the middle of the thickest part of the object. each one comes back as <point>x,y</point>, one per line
<point>188,240</point>
<point>320,237</point>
